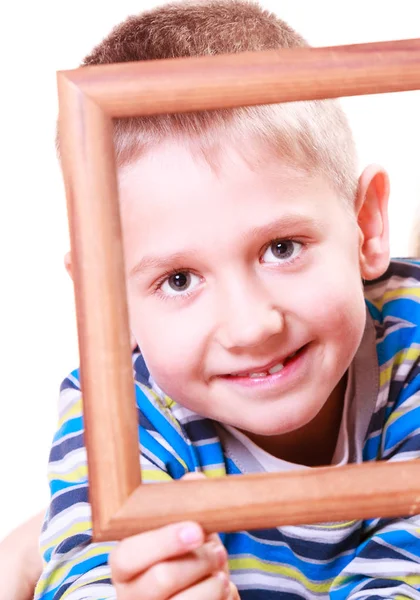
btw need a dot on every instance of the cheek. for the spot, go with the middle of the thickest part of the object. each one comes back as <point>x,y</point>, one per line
<point>171,345</point>
<point>336,308</point>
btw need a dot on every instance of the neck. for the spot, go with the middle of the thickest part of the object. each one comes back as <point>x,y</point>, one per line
<point>312,445</point>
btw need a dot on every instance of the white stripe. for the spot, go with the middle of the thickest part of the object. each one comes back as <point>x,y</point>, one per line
<point>319,533</point>
<point>408,555</point>
<point>70,462</point>
<point>412,401</point>
<point>67,397</point>
<point>80,512</point>
<point>400,324</point>
<point>389,592</point>
<point>382,567</point>
<point>146,458</point>
<point>68,436</point>
<point>213,440</point>
<point>161,440</point>
<point>394,283</point>
<point>96,591</point>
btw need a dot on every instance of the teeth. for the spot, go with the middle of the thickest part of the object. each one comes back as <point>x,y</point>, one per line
<point>252,375</point>
<point>276,368</point>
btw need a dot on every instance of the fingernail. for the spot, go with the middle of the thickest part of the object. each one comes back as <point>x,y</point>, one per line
<point>191,535</point>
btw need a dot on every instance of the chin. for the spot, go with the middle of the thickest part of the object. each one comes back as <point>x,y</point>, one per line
<point>280,425</point>
<point>265,429</point>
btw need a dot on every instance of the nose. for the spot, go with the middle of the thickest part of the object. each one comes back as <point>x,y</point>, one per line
<point>249,318</point>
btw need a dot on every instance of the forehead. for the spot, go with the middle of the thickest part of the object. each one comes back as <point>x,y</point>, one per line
<point>175,165</point>
<point>169,190</point>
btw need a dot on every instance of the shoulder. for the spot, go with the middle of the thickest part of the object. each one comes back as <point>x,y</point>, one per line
<point>397,291</point>
<point>172,438</point>
<point>393,302</point>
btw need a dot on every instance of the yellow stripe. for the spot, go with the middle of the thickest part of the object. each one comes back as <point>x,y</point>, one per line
<point>75,529</point>
<point>218,472</point>
<point>400,292</point>
<point>408,354</point>
<point>75,587</point>
<point>54,579</point>
<point>249,563</point>
<point>169,402</point>
<point>413,580</point>
<point>79,474</point>
<point>339,525</point>
<point>155,475</point>
<point>183,463</point>
<point>75,410</point>
<point>395,294</point>
<point>394,417</point>
<point>385,375</point>
<point>164,403</point>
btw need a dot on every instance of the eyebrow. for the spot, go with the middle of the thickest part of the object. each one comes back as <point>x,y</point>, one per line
<point>161,262</point>
<point>284,226</point>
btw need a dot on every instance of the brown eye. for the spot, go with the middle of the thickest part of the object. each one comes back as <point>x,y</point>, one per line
<point>179,282</point>
<point>280,251</point>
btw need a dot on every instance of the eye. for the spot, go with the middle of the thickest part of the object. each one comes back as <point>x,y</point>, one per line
<point>179,283</point>
<point>279,251</point>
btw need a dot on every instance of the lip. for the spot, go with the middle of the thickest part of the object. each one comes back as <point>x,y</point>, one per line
<point>293,371</point>
<point>266,367</point>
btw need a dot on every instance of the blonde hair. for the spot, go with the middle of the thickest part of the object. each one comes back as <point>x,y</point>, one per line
<point>313,135</point>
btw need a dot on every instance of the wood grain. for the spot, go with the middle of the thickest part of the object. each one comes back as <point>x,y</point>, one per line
<point>89,98</point>
<point>269,500</point>
<point>109,410</point>
<point>192,84</point>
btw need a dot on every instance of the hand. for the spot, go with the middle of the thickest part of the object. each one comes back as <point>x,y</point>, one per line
<point>176,562</point>
<point>20,560</point>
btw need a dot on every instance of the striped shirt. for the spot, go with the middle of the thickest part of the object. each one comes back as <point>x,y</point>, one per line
<point>375,558</point>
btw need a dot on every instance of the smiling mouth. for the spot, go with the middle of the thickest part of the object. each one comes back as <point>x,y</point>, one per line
<point>265,372</point>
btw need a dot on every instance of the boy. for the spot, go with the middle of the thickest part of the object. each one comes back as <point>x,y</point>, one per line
<point>247,236</point>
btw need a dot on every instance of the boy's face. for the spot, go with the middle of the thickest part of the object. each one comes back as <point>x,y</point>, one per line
<point>244,286</point>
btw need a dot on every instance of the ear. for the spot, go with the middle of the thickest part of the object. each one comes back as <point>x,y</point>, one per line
<point>372,217</point>
<point>68,266</point>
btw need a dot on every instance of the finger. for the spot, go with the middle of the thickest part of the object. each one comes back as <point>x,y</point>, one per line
<point>165,579</point>
<point>134,555</point>
<point>234,594</point>
<point>214,537</point>
<point>192,476</point>
<point>212,588</point>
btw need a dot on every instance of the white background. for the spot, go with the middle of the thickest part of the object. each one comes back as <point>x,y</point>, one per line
<point>37,332</point>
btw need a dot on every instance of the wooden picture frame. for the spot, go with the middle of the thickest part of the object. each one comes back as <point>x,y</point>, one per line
<point>89,98</point>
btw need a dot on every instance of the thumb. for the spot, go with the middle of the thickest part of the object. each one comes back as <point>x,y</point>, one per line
<point>194,475</point>
<point>191,477</point>
<point>234,594</point>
